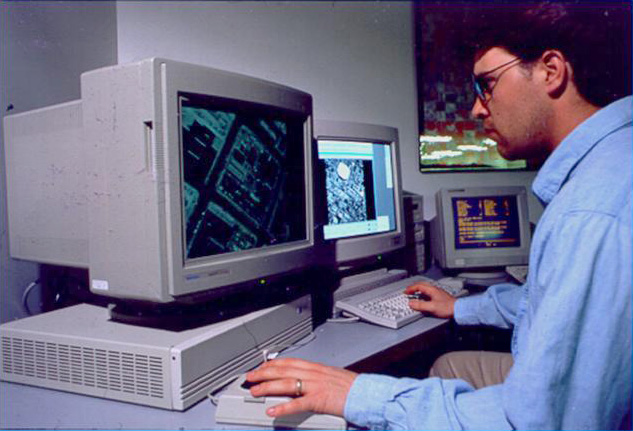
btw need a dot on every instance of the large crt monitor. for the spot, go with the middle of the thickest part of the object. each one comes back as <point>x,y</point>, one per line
<point>480,228</point>
<point>167,180</point>
<point>363,186</point>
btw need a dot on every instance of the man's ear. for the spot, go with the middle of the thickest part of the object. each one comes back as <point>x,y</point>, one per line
<point>557,72</point>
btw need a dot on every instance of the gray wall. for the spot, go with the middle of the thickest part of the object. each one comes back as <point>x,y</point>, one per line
<point>355,58</point>
<point>45,47</point>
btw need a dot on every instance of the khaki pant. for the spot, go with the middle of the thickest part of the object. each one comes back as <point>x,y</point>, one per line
<point>480,369</point>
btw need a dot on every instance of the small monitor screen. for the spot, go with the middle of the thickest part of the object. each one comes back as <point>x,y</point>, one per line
<point>486,221</point>
<point>359,186</point>
<point>243,175</point>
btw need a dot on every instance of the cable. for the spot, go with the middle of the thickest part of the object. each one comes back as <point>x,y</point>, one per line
<point>25,296</point>
<point>344,320</point>
<point>221,385</point>
<point>266,353</point>
<point>273,351</point>
<point>348,318</point>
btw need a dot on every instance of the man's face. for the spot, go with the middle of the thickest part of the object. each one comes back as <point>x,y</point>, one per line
<point>514,113</point>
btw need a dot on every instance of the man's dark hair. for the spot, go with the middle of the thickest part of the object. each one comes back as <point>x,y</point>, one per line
<point>594,36</point>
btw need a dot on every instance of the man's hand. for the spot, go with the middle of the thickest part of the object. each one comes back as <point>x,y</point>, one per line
<point>437,303</point>
<point>322,389</point>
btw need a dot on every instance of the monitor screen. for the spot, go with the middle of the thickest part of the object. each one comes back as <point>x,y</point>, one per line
<point>486,221</point>
<point>243,176</point>
<point>359,186</point>
<point>481,227</point>
<point>363,188</point>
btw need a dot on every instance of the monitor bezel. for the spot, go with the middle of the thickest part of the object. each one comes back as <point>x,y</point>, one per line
<point>356,251</point>
<point>206,273</point>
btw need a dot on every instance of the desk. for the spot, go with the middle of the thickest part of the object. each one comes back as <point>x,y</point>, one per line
<point>353,345</point>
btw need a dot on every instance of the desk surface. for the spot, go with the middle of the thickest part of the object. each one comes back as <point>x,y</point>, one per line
<point>337,344</point>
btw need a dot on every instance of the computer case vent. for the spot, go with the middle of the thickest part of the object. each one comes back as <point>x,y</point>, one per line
<point>107,370</point>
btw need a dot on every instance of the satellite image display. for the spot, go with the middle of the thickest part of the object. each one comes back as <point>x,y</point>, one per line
<point>243,175</point>
<point>349,190</point>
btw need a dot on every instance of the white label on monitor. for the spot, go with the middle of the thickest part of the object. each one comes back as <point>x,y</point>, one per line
<point>100,285</point>
<point>382,223</point>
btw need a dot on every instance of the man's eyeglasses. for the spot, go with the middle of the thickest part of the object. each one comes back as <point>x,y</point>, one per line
<point>481,82</point>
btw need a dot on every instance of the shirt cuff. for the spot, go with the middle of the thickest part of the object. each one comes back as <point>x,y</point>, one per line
<point>367,399</point>
<point>465,310</point>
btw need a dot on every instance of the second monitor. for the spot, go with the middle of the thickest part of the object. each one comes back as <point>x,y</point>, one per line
<point>364,191</point>
<point>481,229</point>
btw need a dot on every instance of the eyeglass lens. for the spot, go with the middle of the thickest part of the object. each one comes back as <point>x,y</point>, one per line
<point>481,87</point>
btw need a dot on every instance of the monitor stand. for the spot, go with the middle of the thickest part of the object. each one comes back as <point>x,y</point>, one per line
<point>181,317</point>
<point>193,312</point>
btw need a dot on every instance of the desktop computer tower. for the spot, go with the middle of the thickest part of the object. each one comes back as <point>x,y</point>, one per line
<point>414,254</point>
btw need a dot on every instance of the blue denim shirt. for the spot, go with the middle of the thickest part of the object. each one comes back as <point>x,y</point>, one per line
<point>572,319</point>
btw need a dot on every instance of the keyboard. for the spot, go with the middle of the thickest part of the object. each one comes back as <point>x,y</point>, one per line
<point>355,284</point>
<point>387,305</point>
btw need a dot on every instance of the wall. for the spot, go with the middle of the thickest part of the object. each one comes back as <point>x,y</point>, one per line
<point>355,58</point>
<point>45,46</point>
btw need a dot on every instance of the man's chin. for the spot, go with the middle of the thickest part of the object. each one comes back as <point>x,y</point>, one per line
<point>508,156</point>
<point>503,152</point>
<point>507,152</point>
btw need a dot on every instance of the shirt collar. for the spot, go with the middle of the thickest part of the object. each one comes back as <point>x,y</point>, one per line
<point>577,144</point>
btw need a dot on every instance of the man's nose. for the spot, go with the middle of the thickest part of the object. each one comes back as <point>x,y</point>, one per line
<point>479,110</point>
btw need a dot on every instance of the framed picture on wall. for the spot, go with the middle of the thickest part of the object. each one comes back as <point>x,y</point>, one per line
<point>450,140</point>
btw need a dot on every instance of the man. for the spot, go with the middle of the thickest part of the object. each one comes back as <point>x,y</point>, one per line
<point>547,87</point>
